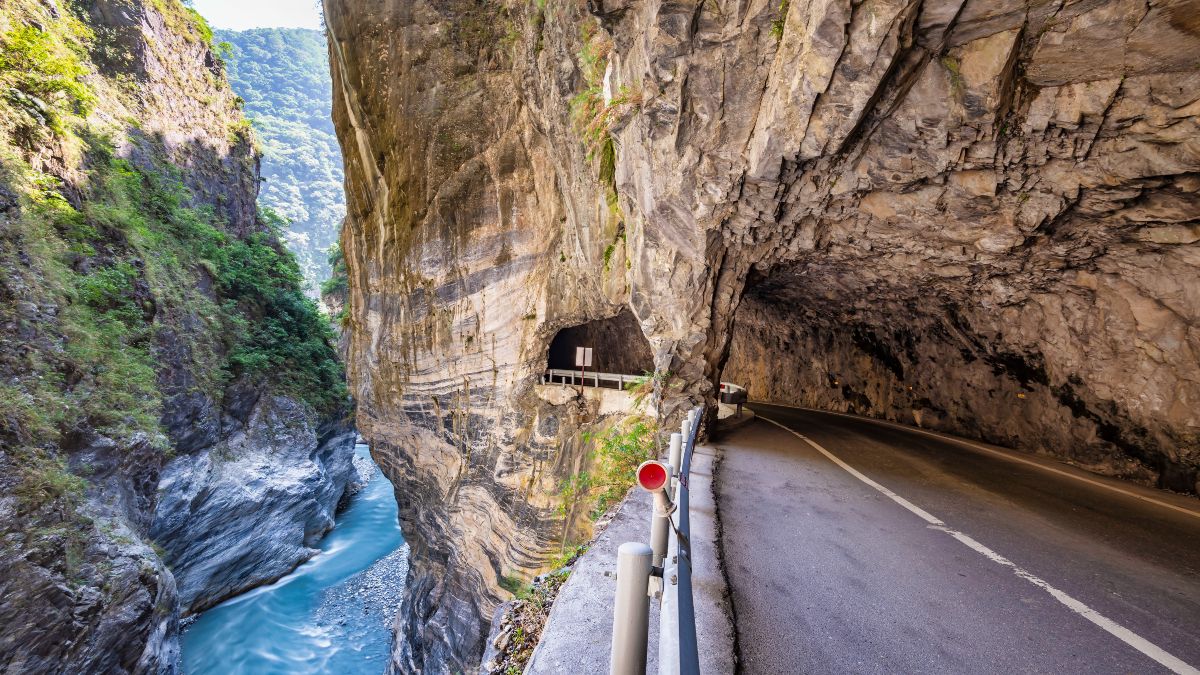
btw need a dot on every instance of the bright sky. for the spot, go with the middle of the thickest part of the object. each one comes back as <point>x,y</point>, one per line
<point>243,14</point>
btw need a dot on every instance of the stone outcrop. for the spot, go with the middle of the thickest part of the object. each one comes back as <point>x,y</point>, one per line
<point>251,507</point>
<point>978,216</point>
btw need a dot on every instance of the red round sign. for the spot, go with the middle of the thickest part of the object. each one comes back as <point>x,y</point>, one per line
<point>652,475</point>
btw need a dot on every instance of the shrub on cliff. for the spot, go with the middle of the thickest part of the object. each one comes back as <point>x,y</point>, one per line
<point>616,454</point>
<point>131,262</point>
<point>43,73</point>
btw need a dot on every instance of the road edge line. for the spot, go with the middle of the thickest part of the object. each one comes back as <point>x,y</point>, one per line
<point>1160,655</point>
<point>994,452</point>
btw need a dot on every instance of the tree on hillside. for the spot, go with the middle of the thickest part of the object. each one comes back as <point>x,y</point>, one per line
<point>283,76</point>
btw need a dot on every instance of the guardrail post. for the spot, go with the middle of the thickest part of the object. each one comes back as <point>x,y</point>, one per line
<point>631,616</point>
<point>660,527</point>
<point>675,456</point>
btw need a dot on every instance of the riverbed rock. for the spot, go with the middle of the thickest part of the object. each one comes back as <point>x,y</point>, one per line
<point>249,509</point>
<point>977,216</point>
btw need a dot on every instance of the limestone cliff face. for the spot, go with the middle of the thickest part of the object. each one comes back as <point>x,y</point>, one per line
<point>980,216</point>
<point>476,229</point>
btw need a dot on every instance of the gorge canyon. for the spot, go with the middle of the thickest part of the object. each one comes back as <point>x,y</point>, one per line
<point>174,424</point>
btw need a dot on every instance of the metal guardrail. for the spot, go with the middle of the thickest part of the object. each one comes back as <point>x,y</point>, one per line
<point>663,569</point>
<point>596,379</point>
<point>574,377</point>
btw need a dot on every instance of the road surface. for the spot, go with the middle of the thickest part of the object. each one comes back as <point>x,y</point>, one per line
<point>902,552</point>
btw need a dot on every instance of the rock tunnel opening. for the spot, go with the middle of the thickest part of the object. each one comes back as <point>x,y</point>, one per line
<point>618,346</point>
<point>839,338</point>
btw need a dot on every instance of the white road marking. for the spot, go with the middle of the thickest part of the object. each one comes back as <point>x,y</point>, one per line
<point>1123,634</point>
<point>998,453</point>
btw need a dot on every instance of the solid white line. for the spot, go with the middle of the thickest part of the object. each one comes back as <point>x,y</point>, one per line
<point>1123,634</point>
<point>1004,455</point>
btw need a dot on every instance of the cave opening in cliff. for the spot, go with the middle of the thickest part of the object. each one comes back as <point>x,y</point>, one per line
<point>835,337</point>
<point>618,346</point>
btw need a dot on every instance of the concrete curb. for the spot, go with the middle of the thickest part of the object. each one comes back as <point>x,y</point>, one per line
<point>730,423</point>
<point>578,634</point>
<point>577,637</point>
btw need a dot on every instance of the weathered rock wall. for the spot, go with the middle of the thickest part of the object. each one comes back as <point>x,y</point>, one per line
<point>1015,240</point>
<point>999,197</point>
<point>470,241</point>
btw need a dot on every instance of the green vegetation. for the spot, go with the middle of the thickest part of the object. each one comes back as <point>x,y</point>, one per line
<point>286,332</point>
<point>528,618</point>
<point>120,289</point>
<point>589,114</point>
<point>612,247</point>
<point>780,20</point>
<point>201,24</point>
<point>283,77</point>
<point>516,585</point>
<point>184,20</point>
<point>43,73</point>
<point>47,482</point>
<point>616,455</point>
<point>567,556</point>
<point>128,265</point>
<point>338,282</point>
<point>648,383</point>
<point>592,119</point>
<point>957,84</point>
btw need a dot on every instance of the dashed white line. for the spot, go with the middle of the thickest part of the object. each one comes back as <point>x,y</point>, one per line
<point>1123,634</point>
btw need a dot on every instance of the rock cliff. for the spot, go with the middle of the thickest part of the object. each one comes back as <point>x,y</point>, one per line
<point>976,216</point>
<point>164,385</point>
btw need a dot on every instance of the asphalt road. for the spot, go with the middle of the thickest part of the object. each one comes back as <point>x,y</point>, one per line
<point>940,558</point>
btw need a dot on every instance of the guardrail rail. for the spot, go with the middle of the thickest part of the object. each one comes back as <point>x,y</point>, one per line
<point>662,569</point>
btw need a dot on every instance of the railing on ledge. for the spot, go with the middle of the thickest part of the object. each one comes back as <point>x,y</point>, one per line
<point>729,392</point>
<point>590,379</point>
<point>662,569</point>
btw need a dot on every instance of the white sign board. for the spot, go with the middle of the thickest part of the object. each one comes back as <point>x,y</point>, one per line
<point>583,357</point>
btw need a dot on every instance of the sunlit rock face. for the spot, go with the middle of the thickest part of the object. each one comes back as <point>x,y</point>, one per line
<point>107,106</point>
<point>991,202</point>
<point>476,230</point>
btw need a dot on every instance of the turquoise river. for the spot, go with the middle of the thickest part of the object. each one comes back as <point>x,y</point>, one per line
<point>332,615</point>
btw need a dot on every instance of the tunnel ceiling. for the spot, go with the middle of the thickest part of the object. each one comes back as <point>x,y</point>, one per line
<point>1050,344</point>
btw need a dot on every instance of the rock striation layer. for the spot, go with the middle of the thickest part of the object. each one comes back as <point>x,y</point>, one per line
<point>977,216</point>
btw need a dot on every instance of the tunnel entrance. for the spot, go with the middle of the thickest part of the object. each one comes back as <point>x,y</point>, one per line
<point>618,346</point>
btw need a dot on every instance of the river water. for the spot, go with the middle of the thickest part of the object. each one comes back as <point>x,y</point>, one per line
<point>332,615</point>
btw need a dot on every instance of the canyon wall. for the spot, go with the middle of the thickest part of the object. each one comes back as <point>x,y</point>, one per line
<point>980,216</point>
<point>173,420</point>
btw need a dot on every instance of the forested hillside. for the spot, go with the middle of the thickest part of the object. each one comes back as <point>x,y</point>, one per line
<point>283,75</point>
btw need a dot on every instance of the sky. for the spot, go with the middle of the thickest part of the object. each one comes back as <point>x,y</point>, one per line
<point>243,14</point>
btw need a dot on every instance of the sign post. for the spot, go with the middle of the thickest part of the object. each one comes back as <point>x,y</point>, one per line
<point>583,359</point>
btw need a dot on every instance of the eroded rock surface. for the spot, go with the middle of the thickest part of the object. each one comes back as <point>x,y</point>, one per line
<point>993,203</point>
<point>251,508</point>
